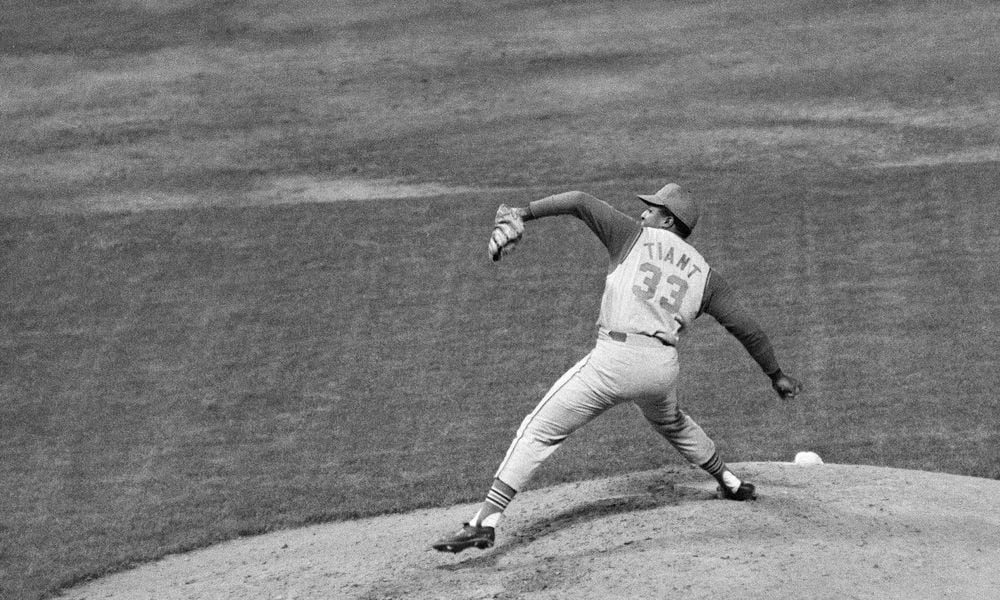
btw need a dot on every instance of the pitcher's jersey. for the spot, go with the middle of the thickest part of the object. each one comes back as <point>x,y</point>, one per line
<point>657,283</point>
<point>656,289</point>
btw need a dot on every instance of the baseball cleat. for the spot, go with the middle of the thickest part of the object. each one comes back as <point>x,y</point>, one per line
<point>467,537</point>
<point>745,492</point>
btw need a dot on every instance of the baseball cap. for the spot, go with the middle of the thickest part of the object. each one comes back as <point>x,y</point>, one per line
<point>677,201</point>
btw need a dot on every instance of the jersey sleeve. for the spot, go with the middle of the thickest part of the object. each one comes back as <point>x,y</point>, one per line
<point>721,301</point>
<point>616,230</point>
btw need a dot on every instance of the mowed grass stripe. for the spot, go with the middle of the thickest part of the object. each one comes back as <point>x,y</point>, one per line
<point>207,102</point>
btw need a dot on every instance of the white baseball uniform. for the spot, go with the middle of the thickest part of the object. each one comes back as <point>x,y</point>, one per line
<point>656,286</point>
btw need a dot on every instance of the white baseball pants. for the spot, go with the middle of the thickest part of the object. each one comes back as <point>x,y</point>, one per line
<point>640,370</point>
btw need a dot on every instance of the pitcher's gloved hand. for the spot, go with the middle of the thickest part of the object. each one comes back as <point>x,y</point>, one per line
<point>508,227</point>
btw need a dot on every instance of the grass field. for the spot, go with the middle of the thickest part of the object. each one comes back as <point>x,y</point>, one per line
<point>188,357</point>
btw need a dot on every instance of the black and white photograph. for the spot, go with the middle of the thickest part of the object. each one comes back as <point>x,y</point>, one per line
<point>499,300</point>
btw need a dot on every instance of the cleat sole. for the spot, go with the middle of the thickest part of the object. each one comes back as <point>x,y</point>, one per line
<point>456,548</point>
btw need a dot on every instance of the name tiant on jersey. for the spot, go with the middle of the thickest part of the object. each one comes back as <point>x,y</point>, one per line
<point>656,252</point>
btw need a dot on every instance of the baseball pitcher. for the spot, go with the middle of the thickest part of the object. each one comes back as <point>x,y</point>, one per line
<point>657,284</point>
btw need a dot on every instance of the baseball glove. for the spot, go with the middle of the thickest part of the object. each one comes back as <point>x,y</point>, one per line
<point>507,230</point>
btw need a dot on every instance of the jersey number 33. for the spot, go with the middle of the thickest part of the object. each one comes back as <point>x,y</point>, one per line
<point>670,297</point>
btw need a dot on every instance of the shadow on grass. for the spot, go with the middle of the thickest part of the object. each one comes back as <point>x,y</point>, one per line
<point>655,495</point>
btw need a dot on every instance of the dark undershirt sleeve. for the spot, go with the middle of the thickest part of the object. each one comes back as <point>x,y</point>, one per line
<point>721,302</point>
<point>616,230</point>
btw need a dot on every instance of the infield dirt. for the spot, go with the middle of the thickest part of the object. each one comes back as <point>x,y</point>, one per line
<point>821,531</point>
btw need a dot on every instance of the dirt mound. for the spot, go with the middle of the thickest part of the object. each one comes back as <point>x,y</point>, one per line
<point>820,531</point>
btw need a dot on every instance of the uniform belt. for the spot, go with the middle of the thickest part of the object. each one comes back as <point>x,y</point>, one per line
<point>640,338</point>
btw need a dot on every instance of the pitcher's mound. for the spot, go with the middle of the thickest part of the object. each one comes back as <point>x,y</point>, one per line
<point>816,531</point>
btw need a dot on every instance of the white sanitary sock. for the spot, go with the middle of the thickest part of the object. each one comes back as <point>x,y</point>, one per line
<point>732,481</point>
